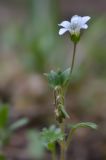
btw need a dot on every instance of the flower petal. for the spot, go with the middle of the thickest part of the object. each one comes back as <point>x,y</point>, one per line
<point>85,19</point>
<point>65,24</point>
<point>85,26</point>
<point>75,18</point>
<point>62,31</point>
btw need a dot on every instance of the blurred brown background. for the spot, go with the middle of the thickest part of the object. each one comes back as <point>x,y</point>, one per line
<point>30,46</point>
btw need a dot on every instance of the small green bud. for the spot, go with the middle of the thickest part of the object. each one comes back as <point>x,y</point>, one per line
<point>75,37</point>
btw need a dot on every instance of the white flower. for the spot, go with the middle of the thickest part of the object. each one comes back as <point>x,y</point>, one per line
<point>74,25</point>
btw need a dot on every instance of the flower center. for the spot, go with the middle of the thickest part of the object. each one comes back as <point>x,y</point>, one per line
<point>75,26</point>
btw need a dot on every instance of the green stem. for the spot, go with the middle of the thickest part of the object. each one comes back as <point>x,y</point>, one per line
<point>72,65</point>
<point>69,138</point>
<point>62,157</point>
<point>62,144</point>
<point>54,154</point>
<point>73,58</point>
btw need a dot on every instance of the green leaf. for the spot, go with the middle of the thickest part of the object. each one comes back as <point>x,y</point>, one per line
<point>58,78</point>
<point>35,144</point>
<point>64,112</point>
<point>79,125</point>
<point>51,147</point>
<point>84,125</point>
<point>51,135</point>
<point>4,112</point>
<point>66,76</point>
<point>51,78</point>
<point>20,123</point>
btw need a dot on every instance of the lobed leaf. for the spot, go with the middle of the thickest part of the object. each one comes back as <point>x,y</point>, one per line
<point>51,135</point>
<point>58,78</point>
